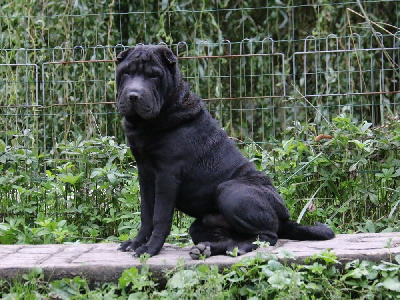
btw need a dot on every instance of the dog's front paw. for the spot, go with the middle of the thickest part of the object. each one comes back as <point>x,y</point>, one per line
<point>200,250</point>
<point>142,250</point>
<point>151,250</point>
<point>127,246</point>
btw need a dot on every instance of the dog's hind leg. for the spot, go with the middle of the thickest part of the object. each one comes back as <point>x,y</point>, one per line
<point>227,247</point>
<point>248,245</point>
<point>212,236</point>
<point>210,240</point>
<point>249,211</point>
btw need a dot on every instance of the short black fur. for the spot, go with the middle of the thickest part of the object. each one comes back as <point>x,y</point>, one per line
<point>187,162</point>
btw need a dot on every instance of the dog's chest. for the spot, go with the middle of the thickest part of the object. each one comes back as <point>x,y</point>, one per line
<point>136,142</point>
<point>139,144</point>
<point>153,146</point>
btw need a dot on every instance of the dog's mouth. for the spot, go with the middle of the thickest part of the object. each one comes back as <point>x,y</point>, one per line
<point>128,109</point>
<point>146,113</point>
<point>124,108</point>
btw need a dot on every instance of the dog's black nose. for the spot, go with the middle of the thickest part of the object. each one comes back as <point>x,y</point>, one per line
<point>134,96</point>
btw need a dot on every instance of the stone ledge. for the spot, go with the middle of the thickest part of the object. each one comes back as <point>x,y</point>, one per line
<point>100,263</point>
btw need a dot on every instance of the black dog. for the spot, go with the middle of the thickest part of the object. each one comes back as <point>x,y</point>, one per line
<point>186,161</point>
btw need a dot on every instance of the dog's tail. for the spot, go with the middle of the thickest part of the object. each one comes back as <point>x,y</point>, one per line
<point>294,231</point>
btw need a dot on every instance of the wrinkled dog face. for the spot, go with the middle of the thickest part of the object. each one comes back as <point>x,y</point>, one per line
<point>144,77</point>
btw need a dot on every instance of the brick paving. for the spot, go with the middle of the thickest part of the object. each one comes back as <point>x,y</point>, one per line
<point>100,263</point>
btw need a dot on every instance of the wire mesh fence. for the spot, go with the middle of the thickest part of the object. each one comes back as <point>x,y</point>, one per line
<point>250,86</point>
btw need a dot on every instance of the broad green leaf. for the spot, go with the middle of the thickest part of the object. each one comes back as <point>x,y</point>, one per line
<point>2,146</point>
<point>365,126</point>
<point>183,278</point>
<point>392,284</point>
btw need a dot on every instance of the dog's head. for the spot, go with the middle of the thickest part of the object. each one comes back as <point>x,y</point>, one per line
<point>146,78</point>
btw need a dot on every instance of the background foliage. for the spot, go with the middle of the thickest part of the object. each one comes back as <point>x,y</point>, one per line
<point>66,174</point>
<point>46,24</point>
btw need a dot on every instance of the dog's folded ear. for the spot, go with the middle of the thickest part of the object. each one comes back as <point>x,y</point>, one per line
<point>169,56</point>
<point>122,55</point>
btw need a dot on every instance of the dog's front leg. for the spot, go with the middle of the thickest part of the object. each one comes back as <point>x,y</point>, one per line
<point>165,198</point>
<point>147,199</point>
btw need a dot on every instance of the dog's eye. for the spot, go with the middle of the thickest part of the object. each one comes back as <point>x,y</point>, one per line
<point>153,73</point>
<point>125,76</point>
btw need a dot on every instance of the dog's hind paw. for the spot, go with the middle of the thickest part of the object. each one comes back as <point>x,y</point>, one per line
<point>200,250</point>
<point>234,252</point>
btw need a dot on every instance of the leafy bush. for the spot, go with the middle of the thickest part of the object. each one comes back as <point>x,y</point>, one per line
<point>350,178</point>
<point>83,190</point>
<point>88,189</point>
